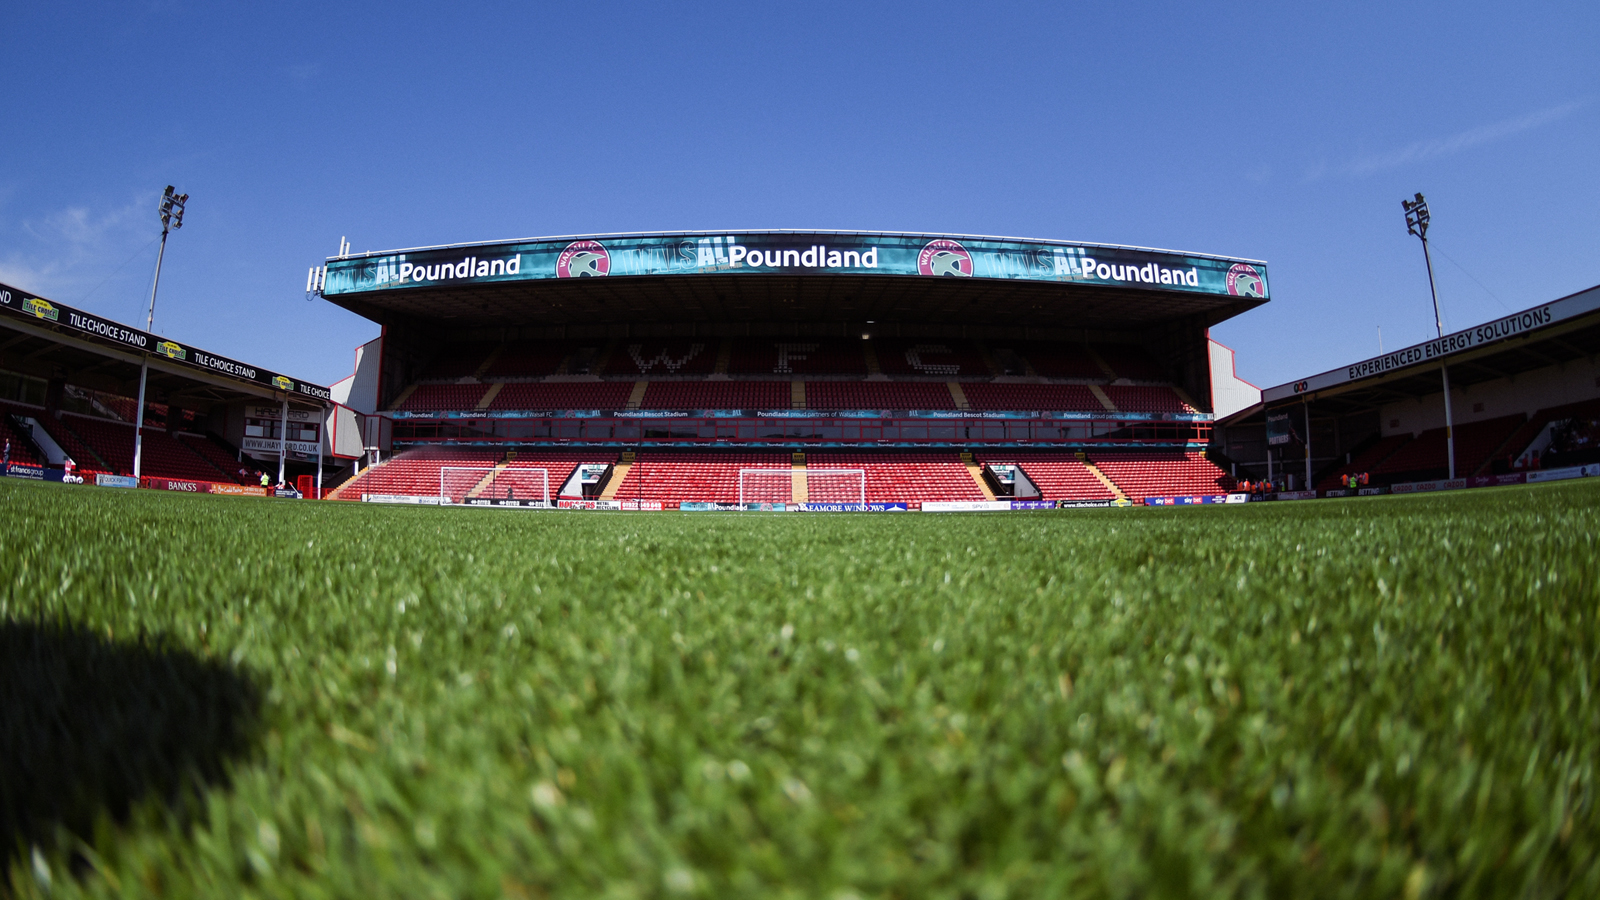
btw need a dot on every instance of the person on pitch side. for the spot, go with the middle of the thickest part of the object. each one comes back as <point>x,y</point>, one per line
<point>7,460</point>
<point>265,481</point>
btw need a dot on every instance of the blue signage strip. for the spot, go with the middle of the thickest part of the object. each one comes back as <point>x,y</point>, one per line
<point>78,323</point>
<point>796,253</point>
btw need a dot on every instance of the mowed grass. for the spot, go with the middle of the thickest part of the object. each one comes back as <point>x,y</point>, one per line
<point>1378,697</point>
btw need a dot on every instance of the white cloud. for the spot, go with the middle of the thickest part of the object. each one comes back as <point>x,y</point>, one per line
<point>1422,151</point>
<point>69,254</point>
<point>301,74</point>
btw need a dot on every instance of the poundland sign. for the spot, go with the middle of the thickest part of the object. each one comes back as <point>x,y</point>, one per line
<point>791,253</point>
<point>1449,345</point>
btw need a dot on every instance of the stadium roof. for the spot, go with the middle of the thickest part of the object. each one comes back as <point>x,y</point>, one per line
<point>1553,333</point>
<point>793,276</point>
<point>41,338</point>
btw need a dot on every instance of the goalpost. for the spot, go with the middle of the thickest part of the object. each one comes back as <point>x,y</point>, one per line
<point>844,486</point>
<point>462,484</point>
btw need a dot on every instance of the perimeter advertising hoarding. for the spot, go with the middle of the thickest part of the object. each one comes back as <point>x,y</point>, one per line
<point>79,323</point>
<point>1444,347</point>
<point>784,253</point>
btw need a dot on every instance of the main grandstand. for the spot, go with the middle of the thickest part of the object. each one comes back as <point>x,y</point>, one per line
<point>890,369</point>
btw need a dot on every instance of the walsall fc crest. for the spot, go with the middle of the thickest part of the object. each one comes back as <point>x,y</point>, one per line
<point>944,257</point>
<point>583,259</point>
<point>1245,281</point>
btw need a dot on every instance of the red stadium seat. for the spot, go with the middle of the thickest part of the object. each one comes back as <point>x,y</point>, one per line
<point>1158,474</point>
<point>1059,476</point>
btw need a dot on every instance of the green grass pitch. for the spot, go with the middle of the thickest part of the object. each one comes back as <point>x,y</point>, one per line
<point>1384,697</point>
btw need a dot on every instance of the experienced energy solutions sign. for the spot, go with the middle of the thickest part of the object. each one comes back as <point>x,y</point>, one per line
<point>793,253</point>
<point>1440,349</point>
<point>77,322</point>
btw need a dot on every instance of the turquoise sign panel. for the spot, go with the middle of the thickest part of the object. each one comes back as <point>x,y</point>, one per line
<point>792,253</point>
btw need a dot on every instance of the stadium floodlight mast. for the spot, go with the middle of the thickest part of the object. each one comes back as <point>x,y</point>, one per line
<point>171,217</point>
<point>1417,223</point>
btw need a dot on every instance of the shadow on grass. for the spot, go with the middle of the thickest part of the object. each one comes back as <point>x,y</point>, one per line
<point>92,726</point>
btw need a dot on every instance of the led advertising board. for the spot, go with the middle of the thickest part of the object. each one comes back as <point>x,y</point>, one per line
<point>795,253</point>
<point>76,322</point>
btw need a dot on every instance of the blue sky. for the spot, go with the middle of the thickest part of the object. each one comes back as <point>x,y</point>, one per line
<point>1285,132</point>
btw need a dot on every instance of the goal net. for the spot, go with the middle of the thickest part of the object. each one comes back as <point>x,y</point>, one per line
<point>847,486</point>
<point>842,486</point>
<point>765,486</point>
<point>523,486</point>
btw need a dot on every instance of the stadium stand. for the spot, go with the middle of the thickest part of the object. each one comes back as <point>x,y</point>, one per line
<point>444,396</point>
<point>111,441</point>
<point>1424,456</point>
<point>716,395</point>
<point>1061,360</point>
<point>905,477</point>
<point>1058,476</point>
<point>559,463</point>
<point>563,395</point>
<point>1146,399</point>
<point>1129,361</point>
<point>658,357</point>
<point>1366,461</point>
<point>457,360</point>
<point>164,454</point>
<point>693,477</point>
<point>1157,474</point>
<point>1523,437</point>
<point>21,443</point>
<point>1048,397</point>
<point>834,395</point>
<point>86,460</point>
<point>529,359</point>
<point>798,356</point>
<point>242,472</point>
<point>936,358</point>
<point>416,472</point>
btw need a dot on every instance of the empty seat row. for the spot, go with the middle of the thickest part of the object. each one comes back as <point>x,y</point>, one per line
<point>1157,474</point>
<point>819,395</point>
<point>1475,442</point>
<point>695,477</point>
<point>936,357</point>
<point>905,477</point>
<point>1058,476</point>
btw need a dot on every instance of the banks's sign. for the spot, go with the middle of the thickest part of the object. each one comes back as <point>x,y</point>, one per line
<point>76,322</point>
<point>792,253</point>
<point>1440,349</point>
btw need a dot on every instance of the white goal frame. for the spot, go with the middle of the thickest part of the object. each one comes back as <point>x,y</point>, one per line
<point>466,479</point>
<point>787,476</point>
